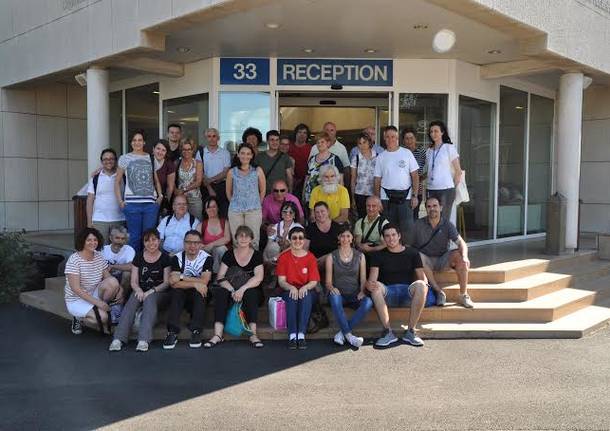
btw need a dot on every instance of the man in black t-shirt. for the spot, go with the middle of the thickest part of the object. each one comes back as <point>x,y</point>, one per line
<point>397,279</point>
<point>189,279</point>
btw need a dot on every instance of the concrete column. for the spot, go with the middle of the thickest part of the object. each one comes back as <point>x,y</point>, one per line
<point>98,116</point>
<point>569,131</point>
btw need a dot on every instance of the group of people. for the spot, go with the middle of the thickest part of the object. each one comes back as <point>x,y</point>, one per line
<point>188,224</point>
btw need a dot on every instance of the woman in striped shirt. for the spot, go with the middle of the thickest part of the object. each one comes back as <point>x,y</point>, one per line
<point>88,282</point>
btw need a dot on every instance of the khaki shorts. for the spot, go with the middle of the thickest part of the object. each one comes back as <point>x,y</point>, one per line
<point>436,263</point>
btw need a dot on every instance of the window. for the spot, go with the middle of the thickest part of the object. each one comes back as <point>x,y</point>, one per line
<point>142,111</point>
<point>116,121</point>
<point>240,110</point>
<point>416,111</point>
<point>190,112</point>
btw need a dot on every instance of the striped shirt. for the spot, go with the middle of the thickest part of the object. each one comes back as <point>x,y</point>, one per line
<point>91,273</point>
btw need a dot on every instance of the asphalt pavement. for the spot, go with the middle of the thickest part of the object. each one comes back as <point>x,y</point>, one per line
<point>52,380</point>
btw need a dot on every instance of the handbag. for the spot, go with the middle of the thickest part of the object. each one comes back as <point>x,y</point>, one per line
<point>277,313</point>
<point>461,190</point>
<point>235,323</point>
<point>318,319</point>
<point>236,277</point>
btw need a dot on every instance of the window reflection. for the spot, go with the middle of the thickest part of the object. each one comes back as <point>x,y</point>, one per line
<point>240,110</point>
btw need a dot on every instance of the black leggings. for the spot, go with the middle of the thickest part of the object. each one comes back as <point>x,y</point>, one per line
<point>250,302</point>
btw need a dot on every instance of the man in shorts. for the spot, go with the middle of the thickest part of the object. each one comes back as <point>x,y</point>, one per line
<point>432,236</point>
<point>396,279</point>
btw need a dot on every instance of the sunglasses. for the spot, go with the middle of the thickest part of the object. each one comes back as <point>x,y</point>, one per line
<point>297,238</point>
<point>279,190</point>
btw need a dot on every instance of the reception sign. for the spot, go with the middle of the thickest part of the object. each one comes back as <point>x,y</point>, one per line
<point>335,72</point>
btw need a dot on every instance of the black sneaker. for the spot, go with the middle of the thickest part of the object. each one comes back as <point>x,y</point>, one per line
<point>77,327</point>
<point>170,341</point>
<point>292,344</point>
<point>301,344</point>
<point>195,341</point>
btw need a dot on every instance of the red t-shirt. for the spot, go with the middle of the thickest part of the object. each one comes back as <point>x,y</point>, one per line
<point>298,270</point>
<point>300,156</point>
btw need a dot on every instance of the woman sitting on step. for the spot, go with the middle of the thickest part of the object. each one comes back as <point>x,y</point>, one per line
<point>150,284</point>
<point>90,289</point>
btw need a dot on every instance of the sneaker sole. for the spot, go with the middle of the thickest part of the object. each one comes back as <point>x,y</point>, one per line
<point>169,346</point>
<point>386,344</point>
<point>141,350</point>
<point>411,343</point>
<point>77,332</point>
<point>195,346</point>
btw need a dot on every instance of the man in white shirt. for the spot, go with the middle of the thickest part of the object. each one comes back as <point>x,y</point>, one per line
<point>173,227</point>
<point>103,210</point>
<point>216,164</point>
<point>396,178</point>
<point>119,255</point>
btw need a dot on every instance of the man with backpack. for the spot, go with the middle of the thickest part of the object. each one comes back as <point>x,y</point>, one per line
<point>103,209</point>
<point>367,230</point>
<point>173,227</point>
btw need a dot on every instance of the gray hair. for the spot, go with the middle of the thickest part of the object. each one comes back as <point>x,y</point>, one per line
<point>119,229</point>
<point>212,129</point>
<point>326,168</point>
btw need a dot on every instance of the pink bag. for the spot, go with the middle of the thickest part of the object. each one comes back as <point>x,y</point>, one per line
<point>277,313</point>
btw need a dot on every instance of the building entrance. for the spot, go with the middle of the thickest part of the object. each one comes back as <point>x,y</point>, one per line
<point>351,112</point>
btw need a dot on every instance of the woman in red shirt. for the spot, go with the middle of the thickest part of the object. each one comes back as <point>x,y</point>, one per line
<point>297,271</point>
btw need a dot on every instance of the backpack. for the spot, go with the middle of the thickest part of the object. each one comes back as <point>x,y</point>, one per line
<point>191,220</point>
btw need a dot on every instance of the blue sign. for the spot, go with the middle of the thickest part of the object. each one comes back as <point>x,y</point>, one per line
<point>340,72</point>
<point>244,71</point>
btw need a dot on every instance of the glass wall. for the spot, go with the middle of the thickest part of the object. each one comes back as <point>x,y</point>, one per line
<point>116,121</point>
<point>477,158</point>
<point>539,162</point>
<point>240,110</point>
<point>191,112</point>
<point>511,167</point>
<point>417,110</point>
<point>142,111</point>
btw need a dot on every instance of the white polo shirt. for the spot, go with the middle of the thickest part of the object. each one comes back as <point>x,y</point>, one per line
<point>105,207</point>
<point>172,233</point>
<point>215,162</point>
<point>394,168</point>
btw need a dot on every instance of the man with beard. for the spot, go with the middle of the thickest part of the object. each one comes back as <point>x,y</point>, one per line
<point>331,192</point>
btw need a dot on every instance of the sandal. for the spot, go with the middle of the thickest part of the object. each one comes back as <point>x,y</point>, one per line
<point>257,344</point>
<point>209,344</point>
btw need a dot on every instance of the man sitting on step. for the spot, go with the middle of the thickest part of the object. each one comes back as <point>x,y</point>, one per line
<point>396,279</point>
<point>173,227</point>
<point>432,236</point>
<point>189,279</point>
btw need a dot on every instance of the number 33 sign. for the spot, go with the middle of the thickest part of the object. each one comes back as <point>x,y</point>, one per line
<point>244,71</point>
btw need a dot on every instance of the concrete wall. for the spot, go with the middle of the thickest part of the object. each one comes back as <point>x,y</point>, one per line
<point>595,161</point>
<point>43,155</point>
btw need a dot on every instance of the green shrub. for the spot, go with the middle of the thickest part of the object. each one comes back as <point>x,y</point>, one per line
<point>16,266</point>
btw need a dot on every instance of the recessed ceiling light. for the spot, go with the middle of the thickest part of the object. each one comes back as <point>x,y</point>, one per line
<point>494,51</point>
<point>519,107</point>
<point>171,112</point>
<point>420,26</point>
<point>308,50</point>
<point>155,92</point>
<point>370,51</point>
<point>272,25</point>
<point>183,49</point>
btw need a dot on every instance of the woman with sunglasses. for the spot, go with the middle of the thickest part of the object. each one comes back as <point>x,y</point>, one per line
<point>298,276</point>
<point>189,174</point>
<point>278,233</point>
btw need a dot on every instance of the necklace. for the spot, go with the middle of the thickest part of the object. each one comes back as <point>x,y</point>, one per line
<point>346,258</point>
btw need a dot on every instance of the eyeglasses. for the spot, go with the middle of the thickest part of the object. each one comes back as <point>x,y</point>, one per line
<point>211,136</point>
<point>108,159</point>
<point>192,242</point>
<point>279,190</point>
<point>287,211</point>
<point>297,238</point>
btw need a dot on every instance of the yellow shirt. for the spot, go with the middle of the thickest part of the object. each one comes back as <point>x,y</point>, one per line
<point>336,201</point>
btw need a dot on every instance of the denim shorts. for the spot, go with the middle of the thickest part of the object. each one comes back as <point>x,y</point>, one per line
<point>398,295</point>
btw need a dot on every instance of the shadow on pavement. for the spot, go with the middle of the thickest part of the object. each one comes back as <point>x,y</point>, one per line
<point>51,379</point>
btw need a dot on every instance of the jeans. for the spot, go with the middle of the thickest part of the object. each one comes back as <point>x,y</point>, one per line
<point>298,312</point>
<point>149,316</point>
<point>362,307</point>
<point>194,302</point>
<point>402,216</point>
<point>139,217</point>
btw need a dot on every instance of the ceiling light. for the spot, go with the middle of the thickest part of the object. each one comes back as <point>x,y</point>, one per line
<point>370,51</point>
<point>443,41</point>
<point>420,26</point>
<point>155,92</point>
<point>494,52</point>
<point>519,107</point>
<point>183,49</point>
<point>171,112</point>
<point>308,50</point>
<point>272,25</point>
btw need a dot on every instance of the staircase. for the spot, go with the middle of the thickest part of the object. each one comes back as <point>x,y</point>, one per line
<point>530,298</point>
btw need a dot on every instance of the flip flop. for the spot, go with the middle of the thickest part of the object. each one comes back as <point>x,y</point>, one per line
<point>209,344</point>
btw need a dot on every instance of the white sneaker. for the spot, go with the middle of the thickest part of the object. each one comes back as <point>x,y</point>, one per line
<point>465,300</point>
<point>142,346</point>
<point>115,346</point>
<point>355,341</point>
<point>441,298</point>
<point>339,338</point>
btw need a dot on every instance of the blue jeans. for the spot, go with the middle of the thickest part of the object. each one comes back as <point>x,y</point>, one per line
<point>362,307</point>
<point>139,217</point>
<point>298,312</point>
<point>402,216</point>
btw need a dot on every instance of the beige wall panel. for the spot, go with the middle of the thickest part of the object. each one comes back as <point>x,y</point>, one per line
<point>197,79</point>
<point>421,76</point>
<point>596,141</point>
<point>21,180</point>
<point>77,139</point>
<point>53,215</point>
<point>19,135</point>
<point>594,218</point>
<point>595,182</point>
<point>53,180</point>
<point>77,102</point>
<point>596,103</point>
<point>22,215</point>
<point>51,100</point>
<point>52,137</point>
<point>18,100</point>
<point>77,176</point>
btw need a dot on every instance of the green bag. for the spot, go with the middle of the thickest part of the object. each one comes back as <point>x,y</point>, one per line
<point>236,321</point>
